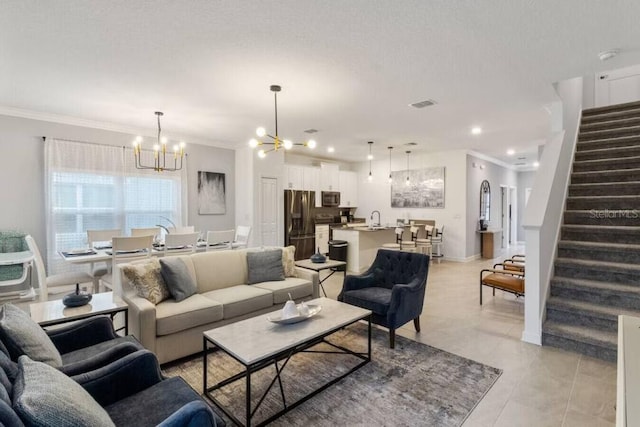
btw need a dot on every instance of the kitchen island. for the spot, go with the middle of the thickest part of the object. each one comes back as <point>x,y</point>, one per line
<point>363,244</point>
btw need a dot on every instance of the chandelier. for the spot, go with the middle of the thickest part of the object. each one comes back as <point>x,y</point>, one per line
<point>159,152</point>
<point>276,142</point>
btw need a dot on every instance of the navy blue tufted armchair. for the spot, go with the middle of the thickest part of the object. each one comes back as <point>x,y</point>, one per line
<point>392,288</point>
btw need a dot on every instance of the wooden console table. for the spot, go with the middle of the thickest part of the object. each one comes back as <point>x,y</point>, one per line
<point>490,243</point>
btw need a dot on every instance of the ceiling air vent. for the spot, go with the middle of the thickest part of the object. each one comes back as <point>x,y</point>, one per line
<point>520,164</point>
<point>522,158</point>
<point>311,131</point>
<point>411,144</point>
<point>423,104</point>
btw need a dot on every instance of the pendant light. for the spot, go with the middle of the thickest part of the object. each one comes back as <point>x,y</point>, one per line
<point>390,180</point>
<point>408,182</point>
<point>370,157</point>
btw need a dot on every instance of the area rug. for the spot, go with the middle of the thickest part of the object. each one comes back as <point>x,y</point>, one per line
<point>411,385</point>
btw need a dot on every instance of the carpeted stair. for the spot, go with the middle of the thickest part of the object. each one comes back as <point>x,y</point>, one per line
<point>597,271</point>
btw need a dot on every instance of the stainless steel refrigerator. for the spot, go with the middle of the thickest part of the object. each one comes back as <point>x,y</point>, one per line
<point>299,227</point>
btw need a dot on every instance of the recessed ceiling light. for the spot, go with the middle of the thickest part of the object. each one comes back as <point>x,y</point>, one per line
<point>511,152</point>
<point>330,149</point>
<point>411,144</point>
<point>476,130</point>
<point>536,164</point>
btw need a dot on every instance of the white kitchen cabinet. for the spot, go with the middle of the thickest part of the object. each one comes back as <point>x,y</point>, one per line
<point>348,189</point>
<point>294,177</point>
<point>311,182</point>
<point>322,238</point>
<point>329,177</point>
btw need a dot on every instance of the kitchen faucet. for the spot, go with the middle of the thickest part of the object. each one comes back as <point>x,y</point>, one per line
<point>378,223</point>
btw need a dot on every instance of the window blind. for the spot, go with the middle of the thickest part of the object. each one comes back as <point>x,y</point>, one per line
<point>94,187</point>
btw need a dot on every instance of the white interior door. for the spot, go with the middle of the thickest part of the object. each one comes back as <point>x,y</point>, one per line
<point>618,86</point>
<point>269,211</point>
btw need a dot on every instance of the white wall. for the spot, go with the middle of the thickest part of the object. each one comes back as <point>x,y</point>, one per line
<point>497,176</point>
<point>22,175</point>
<point>376,195</point>
<point>525,180</point>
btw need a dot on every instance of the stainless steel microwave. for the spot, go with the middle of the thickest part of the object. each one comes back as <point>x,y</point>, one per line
<point>330,199</point>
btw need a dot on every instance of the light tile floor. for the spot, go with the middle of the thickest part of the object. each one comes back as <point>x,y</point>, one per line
<point>540,386</point>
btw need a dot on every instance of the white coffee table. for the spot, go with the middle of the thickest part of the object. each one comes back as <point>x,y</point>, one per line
<point>257,343</point>
<point>51,313</point>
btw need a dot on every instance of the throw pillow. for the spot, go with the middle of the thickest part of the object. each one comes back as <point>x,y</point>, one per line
<point>265,266</point>
<point>21,335</point>
<point>147,280</point>
<point>45,396</point>
<point>289,261</point>
<point>176,275</point>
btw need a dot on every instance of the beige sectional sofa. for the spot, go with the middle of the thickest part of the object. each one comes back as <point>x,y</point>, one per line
<point>174,329</point>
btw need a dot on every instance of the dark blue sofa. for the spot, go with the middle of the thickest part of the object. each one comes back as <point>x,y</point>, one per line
<point>392,288</point>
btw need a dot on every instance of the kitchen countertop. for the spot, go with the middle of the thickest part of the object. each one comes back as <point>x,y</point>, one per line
<point>363,228</point>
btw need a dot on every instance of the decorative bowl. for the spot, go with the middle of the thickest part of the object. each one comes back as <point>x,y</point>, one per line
<point>277,317</point>
<point>318,258</point>
<point>76,300</point>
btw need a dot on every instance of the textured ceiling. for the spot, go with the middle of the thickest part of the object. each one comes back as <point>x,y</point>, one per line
<point>348,69</point>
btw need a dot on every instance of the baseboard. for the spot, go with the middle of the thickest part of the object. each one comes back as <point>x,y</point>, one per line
<point>455,259</point>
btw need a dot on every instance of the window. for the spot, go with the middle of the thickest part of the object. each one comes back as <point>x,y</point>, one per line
<point>95,187</point>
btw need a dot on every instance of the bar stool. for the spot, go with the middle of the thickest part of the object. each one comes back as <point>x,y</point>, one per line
<point>397,245</point>
<point>410,245</point>
<point>424,245</point>
<point>437,240</point>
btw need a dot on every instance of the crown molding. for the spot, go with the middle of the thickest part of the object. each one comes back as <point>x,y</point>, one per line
<point>106,126</point>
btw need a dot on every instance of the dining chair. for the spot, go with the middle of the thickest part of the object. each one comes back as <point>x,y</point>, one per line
<point>217,240</point>
<point>125,249</point>
<point>241,239</point>
<point>182,230</point>
<point>100,239</point>
<point>437,240</point>
<point>55,280</point>
<point>151,231</point>
<point>175,243</point>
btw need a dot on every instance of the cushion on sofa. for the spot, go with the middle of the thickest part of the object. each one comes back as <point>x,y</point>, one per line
<point>241,299</point>
<point>176,275</point>
<point>299,288</point>
<point>45,396</point>
<point>220,269</point>
<point>147,280</point>
<point>173,316</point>
<point>264,266</point>
<point>22,335</point>
<point>289,261</point>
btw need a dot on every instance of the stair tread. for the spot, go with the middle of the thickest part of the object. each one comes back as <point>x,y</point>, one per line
<point>613,121</point>
<point>595,284</point>
<point>604,150</point>
<point>594,308</point>
<point>591,335</point>
<point>610,159</point>
<point>623,196</point>
<point>603,131</point>
<point>603,227</point>
<point>591,263</point>
<point>605,184</point>
<point>611,140</point>
<point>622,171</point>
<point>574,243</point>
<point>608,109</point>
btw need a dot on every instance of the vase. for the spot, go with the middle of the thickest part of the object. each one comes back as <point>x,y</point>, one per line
<point>318,258</point>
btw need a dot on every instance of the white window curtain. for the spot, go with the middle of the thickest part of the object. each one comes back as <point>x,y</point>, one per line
<point>92,187</point>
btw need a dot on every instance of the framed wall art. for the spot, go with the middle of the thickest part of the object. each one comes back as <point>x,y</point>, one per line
<point>424,188</point>
<point>211,193</point>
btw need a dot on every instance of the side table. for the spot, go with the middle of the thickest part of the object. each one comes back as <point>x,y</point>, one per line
<point>55,313</point>
<point>328,264</point>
